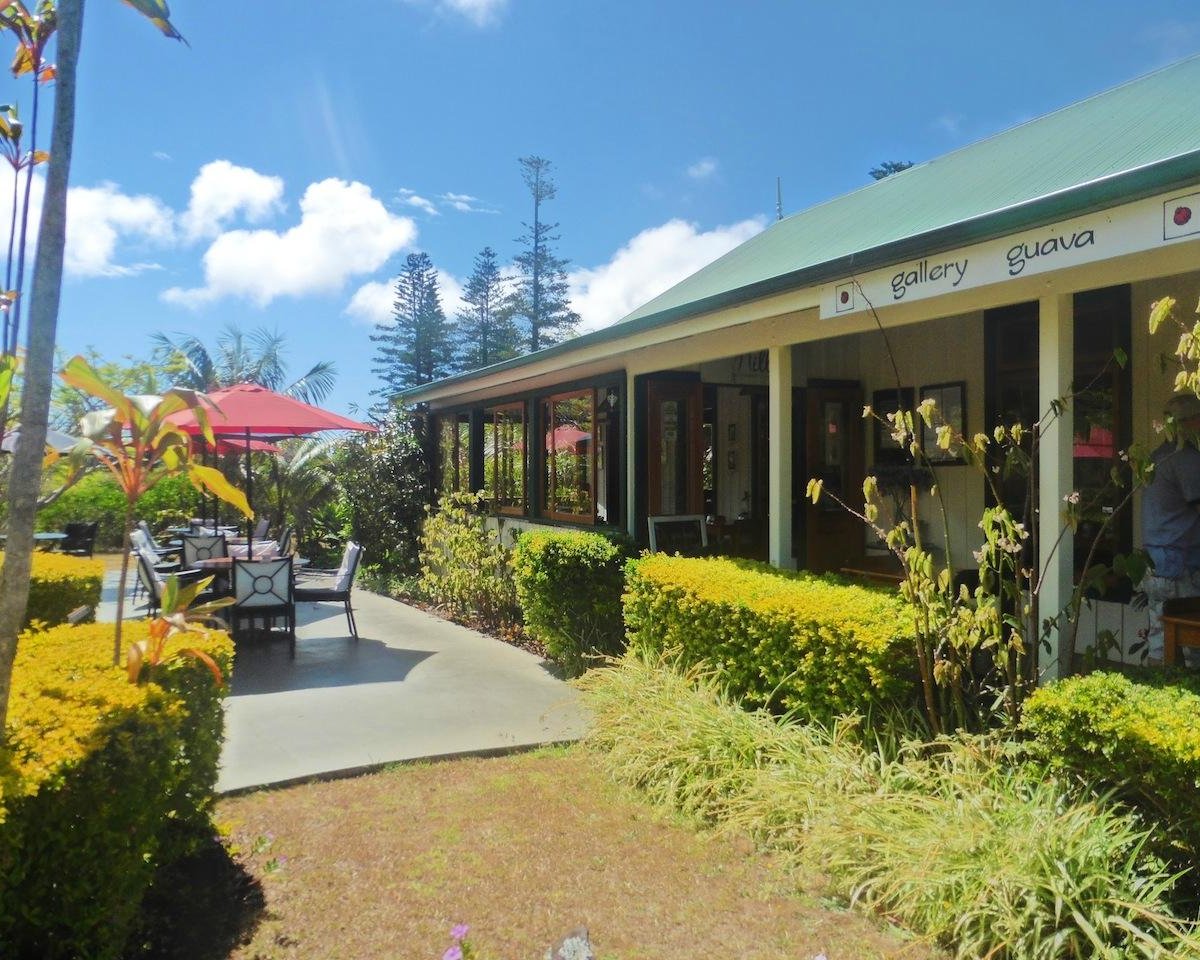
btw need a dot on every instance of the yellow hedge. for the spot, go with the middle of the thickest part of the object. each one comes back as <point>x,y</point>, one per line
<point>779,639</point>
<point>1142,742</point>
<point>100,782</point>
<point>58,584</point>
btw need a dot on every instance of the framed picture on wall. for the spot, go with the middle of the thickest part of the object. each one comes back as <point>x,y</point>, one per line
<point>885,402</point>
<point>951,400</point>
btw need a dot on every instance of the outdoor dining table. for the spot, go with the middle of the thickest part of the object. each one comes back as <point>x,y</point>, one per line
<point>46,538</point>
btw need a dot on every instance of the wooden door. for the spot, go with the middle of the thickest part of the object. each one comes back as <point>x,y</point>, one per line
<point>674,438</point>
<point>834,454</point>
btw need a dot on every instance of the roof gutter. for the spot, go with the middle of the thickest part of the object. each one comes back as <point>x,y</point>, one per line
<point>1123,187</point>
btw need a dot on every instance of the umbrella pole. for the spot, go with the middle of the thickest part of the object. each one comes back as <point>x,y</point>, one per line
<point>249,500</point>
<point>203,494</point>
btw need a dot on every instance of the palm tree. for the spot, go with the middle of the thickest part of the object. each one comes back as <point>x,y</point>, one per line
<point>241,357</point>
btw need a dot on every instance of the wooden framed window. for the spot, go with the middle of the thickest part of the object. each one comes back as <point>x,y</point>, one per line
<point>453,459</point>
<point>568,422</point>
<point>504,457</point>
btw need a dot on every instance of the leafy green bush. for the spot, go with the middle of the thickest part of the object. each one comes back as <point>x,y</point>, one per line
<point>464,568</point>
<point>383,480</point>
<point>1140,741</point>
<point>59,584</point>
<point>569,585</point>
<point>101,781</point>
<point>779,639</point>
<point>951,839</point>
<point>96,497</point>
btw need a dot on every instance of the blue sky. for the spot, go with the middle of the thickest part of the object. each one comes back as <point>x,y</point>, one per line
<point>276,172</point>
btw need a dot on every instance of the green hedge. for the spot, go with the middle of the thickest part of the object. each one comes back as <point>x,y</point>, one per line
<point>778,639</point>
<point>101,782</point>
<point>97,497</point>
<point>1141,741</point>
<point>569,585</point>
<point>464,567</point>
<point>59,584</point>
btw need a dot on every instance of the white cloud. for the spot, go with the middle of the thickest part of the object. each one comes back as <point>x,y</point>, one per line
<point>413,199</point>
<point>464,203</point>
<point>481,13</point>
<point>162,155</point>
<point>452,293</point>
<point>221,191</point>
<point>98,217</point>
<point>652,262</point>
<point>703,169</point>
<point>373,302</point>
<point>949,123</point>
<point>344,231</point>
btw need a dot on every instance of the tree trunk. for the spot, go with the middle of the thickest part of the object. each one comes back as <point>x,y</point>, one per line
<point>26,477</point>
<point>126,549</point>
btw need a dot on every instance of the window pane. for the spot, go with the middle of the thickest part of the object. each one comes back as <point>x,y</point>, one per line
<point>1101,409</point>
<point>569,447</point>
<point>608,461</point>
<point>489,455</point>
<point>447,461</point>
<point>463,453</point>
<point>504,457</point>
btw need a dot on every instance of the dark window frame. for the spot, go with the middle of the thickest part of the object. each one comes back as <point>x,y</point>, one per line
<point>547,500</point>
<point>490,416</point>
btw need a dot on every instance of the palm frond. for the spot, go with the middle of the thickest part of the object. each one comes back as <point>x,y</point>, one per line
<point>187,358</point>
<point>270,346</point>
<point>315,385</point>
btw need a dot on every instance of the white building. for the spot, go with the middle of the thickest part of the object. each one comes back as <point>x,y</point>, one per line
<point>1005,273</point>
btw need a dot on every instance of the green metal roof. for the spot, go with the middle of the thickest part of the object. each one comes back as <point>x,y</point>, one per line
<point>1134,140</point>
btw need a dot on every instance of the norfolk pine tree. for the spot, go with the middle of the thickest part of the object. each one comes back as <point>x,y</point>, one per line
<point>485,330</point>
<point>416,347</point>
<point>541,294</point>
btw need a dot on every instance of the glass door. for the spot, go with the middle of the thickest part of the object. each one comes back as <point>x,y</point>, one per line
<point>674,435</point>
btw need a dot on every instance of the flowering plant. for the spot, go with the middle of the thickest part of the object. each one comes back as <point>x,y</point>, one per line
<point>460,947</point>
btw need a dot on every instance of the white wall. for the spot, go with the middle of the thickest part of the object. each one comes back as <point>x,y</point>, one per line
<point>938,351</point>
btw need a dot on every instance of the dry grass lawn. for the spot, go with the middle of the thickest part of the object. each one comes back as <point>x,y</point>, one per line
<point>522,848</point>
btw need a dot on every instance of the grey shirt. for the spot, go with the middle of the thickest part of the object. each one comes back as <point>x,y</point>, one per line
<point>1171,511</point>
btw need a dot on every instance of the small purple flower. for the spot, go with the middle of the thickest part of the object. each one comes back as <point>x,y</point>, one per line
<point>459,932</point>
<point>453,953</point>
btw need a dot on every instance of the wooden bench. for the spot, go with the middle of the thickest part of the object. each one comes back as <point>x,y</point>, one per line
<point>885,570</point>
<point>1181,627</point>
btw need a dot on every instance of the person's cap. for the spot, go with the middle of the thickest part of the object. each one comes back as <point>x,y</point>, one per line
<point>1183,406</point>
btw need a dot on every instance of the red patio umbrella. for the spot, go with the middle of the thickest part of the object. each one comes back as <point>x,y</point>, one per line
<point>238,445</point>
<point>248,410</point>
<point>248,413</point>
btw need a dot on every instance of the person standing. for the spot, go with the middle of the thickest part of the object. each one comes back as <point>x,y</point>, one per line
<point>1171,518</point>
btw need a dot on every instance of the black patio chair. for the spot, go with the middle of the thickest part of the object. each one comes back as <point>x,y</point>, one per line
<point>154,583</point>
<point>203,547</point>
<point>263,590</point>
<point>81,539</point>
<point>164,553</point>
<point>333,586</point>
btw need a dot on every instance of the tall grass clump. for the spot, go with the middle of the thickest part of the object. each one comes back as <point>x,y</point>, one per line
<point>950,838</point>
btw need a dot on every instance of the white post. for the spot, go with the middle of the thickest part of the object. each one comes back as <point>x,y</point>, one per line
<point>1056,362</point>
<point>779,495</point>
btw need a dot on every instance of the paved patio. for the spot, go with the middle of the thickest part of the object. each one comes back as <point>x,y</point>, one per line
<point>413,686</point>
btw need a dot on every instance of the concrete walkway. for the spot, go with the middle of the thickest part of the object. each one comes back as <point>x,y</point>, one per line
<point>413,686</point>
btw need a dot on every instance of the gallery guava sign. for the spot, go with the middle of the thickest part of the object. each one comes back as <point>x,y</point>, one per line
<point>1130,228</point>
